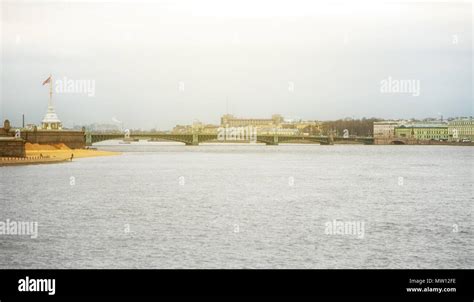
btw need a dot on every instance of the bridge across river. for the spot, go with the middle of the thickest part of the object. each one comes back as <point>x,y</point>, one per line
<point>197,138</point>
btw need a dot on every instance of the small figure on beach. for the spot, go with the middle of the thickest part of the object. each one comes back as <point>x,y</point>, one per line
<point>72,156</point>
<point>41,155</point>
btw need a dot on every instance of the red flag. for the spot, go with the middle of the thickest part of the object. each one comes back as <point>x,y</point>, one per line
<point>48,80</point>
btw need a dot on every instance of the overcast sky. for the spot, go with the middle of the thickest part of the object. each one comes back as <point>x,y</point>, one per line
<point>172,62</point>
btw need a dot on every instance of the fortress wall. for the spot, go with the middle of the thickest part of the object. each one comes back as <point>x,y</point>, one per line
<point>72,139</point>
<point>12,147</point>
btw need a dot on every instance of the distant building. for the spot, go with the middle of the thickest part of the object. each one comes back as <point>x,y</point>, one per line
<point>182,129</point>
<point>209,129</point>
<point>461,129</point>
<point>229,120</point>
<point>309,127</point>
<point>5,131</point>
<point>423,131</point>
<point>196,127</point>
<point>10,146</point>
<point>386,129</point>
<point>51,120</point>
<point>277,131</point>
<point>97,127</point>
<point>30,127</point>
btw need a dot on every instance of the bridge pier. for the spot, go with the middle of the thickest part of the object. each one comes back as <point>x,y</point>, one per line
<point>331,139</point>
<point>88,139</point>
<point>272,142</point>
<point>195,141</point>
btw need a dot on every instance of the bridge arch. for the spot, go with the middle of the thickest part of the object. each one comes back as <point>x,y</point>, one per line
<point>397,142</point>
<point>289,139</point>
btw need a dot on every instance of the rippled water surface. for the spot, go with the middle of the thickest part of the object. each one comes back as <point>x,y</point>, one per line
<point>244,206</point>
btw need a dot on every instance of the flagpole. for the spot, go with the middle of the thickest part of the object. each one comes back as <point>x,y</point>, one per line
<point>50,91</point>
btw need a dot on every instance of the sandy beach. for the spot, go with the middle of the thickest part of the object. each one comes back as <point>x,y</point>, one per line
<point>56,153</point>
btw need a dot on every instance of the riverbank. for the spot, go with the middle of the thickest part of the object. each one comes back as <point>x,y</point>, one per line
<point>48,154</point>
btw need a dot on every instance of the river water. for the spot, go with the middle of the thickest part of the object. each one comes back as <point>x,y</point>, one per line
<point>161,205</point>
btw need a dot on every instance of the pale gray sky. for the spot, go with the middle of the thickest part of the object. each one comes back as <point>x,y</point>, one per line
<point>250,53</point>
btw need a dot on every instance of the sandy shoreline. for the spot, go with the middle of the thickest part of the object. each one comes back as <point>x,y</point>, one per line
<point>48,154</point>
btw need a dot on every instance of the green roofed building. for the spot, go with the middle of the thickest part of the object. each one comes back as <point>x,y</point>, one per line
<point>423,131</point>
<point>461,129</point>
